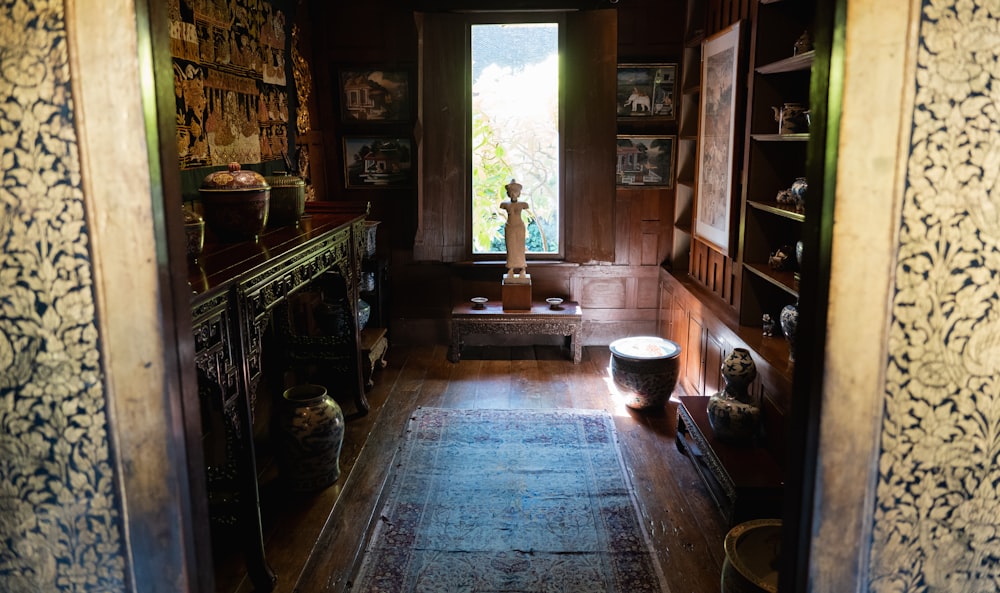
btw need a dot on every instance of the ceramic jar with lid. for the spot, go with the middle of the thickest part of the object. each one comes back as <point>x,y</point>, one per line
<point>236,203</point>
<point>194,229</point>
<point>288,199</point>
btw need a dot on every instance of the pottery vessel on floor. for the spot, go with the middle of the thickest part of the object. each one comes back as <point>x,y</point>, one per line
<point>753,551</point>
<point>645,369</point>
<point>310,433</point>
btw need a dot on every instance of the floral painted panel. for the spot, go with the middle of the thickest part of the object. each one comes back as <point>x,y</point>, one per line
<point>937,515</point>
<point>60,519</point>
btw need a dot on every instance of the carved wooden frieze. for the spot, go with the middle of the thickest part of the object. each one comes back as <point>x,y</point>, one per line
<point>258,295</point>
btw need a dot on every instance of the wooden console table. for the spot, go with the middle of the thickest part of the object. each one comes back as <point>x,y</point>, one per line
<point>235,288</point>
<point>744,481</point>
<point>567,321</point>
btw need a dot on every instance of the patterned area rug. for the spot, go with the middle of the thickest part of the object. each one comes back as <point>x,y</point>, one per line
<point>509,500</point>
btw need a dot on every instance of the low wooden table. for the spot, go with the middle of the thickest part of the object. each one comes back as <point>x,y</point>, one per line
<point>745,481</point>
<point>567,321</point>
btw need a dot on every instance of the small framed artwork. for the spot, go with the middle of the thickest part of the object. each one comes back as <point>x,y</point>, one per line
<point>721,83</point>
<point>646,91</point>
<point>372,162</point>
<point>645,161</point>
<point>375,95</point>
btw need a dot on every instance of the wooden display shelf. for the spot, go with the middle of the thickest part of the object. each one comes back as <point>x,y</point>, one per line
<point>778,209</point>
<point>803,61</point>
<point>780,137</point>
<point>781,279</point>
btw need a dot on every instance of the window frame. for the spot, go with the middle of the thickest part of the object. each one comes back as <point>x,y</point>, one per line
<point>589,76</point>
<point>499,18</point>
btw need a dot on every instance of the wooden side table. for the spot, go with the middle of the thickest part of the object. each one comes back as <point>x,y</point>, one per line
<point>567,320</point>
<point>745,481</point>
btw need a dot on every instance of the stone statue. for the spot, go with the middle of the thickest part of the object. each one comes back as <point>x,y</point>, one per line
<point>514,231</point>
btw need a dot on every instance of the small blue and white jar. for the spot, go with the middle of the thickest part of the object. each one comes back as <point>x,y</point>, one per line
<point>789,321</point>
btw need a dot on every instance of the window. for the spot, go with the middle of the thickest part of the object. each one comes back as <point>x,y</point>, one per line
<point>515,124</point>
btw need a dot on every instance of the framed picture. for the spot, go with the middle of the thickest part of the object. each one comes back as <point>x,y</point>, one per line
<point>646,91</point>
<point>375,95</point>
<point>372,162</point>
<point>717,137</point>
<point>645,161</point>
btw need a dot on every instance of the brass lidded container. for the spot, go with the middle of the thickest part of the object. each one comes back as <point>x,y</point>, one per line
<point>288,199</point>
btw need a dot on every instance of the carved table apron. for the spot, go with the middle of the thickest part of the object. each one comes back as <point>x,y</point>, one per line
<point>492,319</point>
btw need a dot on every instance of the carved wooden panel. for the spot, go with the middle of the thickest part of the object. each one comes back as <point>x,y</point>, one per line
<point>603,293</point>
<point>694,378</point>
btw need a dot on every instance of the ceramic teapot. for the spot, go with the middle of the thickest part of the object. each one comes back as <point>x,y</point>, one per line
<point>792,118</point>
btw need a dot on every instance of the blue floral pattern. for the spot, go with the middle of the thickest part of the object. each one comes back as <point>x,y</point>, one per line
<point>60,520</point>
<point>935,521</point>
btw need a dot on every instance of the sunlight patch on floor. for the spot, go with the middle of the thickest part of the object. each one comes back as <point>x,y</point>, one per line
<point>616,395</point>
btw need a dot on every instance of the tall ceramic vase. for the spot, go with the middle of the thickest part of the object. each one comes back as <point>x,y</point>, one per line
<point>310,434</point>
<point>789,320</point>
<point>732,412</point>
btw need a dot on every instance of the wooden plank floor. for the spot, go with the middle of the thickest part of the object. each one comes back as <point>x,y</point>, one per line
<point>314,549</point>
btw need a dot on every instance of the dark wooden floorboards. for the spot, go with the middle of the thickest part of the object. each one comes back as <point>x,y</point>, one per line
<point>314,549</point>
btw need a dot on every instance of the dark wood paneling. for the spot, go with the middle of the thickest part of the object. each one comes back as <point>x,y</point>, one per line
<point>716,350</point>
<point>650,30</point>
<point>592,40</point>
<point>694,354</point>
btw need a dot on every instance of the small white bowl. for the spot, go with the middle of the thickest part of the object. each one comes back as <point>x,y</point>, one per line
<point>554,302</point>
<point>479,302</point>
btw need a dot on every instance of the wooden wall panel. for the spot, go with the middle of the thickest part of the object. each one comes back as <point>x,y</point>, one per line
<point>716,350</point>
<point>603,293</point>
<point>694,357</point>
<point>589,180</point>
<point>646,293</point>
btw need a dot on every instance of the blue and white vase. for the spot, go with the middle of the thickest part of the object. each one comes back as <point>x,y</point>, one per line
<point>732,412</point>
<point>310,434</point>
<point>798,189</point>
<point>789,321</point>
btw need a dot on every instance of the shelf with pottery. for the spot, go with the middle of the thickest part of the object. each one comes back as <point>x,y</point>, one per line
<point>777,136</point>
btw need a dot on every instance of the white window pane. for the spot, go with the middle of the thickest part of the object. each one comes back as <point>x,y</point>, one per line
<point>515,131</point>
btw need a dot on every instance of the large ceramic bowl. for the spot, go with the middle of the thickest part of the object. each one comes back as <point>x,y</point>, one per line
<point>645,370</point>
<point>753,550</point>
<point>235,203</point>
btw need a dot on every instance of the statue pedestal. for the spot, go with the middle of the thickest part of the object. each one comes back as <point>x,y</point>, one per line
<point>516,292</point>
